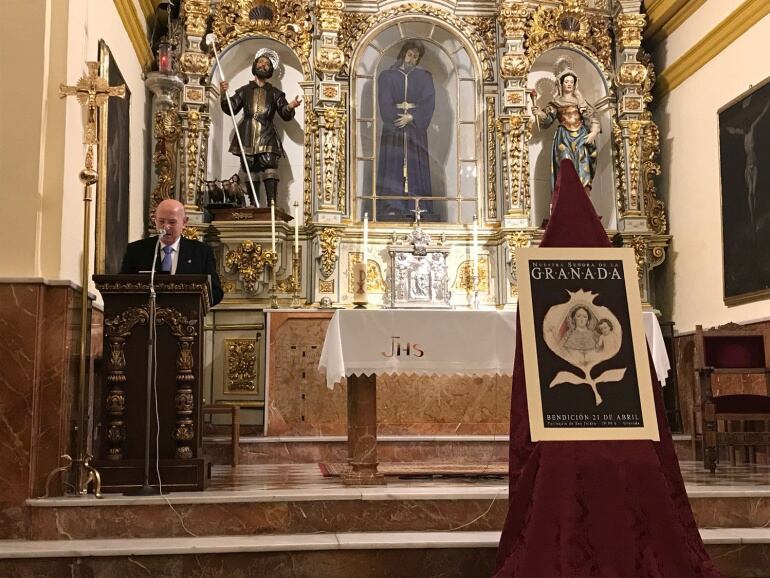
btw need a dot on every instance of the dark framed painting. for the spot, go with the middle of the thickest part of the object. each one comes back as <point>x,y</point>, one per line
<point>585,354</point>
<point>114,166</point>
<point>744,150</point>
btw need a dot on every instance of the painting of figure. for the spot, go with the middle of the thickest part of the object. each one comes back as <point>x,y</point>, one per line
<point>744,145</point>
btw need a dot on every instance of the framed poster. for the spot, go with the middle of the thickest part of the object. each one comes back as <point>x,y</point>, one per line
<point>585,353</point>
<point>744,147</point>
<point>113,184</point>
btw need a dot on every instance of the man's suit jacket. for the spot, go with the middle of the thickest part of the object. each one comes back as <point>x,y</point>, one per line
<point>195,258</point>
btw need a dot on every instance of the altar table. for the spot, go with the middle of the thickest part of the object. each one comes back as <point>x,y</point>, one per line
<point>360,344</point>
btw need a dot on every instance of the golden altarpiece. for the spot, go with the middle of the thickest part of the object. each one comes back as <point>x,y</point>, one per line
<point>491,61</point>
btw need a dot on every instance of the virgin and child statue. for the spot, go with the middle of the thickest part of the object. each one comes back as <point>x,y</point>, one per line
<point>575,136</point>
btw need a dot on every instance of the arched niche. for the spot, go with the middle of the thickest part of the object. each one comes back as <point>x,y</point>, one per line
<point>236,61</point>
<point>594,88</point>
<point>454,133</point>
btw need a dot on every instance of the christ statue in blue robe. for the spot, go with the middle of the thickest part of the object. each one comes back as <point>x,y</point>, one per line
<point>406,99</point>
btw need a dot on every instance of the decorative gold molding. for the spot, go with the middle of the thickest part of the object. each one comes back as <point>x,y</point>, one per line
<point>290,24</point>
<point>249,260</point>
<point>491,157</point>
<point>569,25</point>
<point>241,365</point>
<point>665,16</point>
<point>167,130</point>
<point>464,279</point>
<point>328,239</point>
<point>136,32</point>
<point>375,282</point>
<point>516,241</point>
<point>720,37</point>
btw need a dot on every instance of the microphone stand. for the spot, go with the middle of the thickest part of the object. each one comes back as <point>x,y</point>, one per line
<point>146,489</point>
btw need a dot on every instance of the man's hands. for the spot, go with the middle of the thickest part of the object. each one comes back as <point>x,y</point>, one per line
<point>223,86</point>
<point>403,120</point>
<point>591,137</point>
<point>295,103</point>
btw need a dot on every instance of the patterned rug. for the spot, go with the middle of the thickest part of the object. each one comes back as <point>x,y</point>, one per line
<point>425,470</point>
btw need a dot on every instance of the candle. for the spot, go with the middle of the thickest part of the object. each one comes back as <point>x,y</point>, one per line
<point>366,236</point>
<point>475,249</point>
<point>296,228</point>
<point>272,223</point>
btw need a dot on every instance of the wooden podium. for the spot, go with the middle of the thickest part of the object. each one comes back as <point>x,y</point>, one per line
<point>182,301</point>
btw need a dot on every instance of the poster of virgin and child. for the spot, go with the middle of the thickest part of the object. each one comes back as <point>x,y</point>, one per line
<point>585,354</point>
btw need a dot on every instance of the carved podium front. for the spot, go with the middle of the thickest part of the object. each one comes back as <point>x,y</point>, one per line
<point>182,302</point>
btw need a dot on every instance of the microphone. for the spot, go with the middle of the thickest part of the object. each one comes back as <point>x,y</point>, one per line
<point>162,231</point>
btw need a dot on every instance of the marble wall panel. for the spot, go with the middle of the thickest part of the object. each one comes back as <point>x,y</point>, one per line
<point>39,368</point>
<point>20,312</point>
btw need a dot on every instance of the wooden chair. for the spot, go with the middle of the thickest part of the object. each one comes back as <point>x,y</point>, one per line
<point>235,414</point>
<point>732,365</point>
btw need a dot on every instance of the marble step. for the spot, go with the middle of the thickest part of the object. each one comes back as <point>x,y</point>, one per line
<point>739,553</point>
<point>390,448</point>
<point>331,509</point>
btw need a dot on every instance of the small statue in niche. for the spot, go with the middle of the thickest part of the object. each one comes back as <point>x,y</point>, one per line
<point>575,136</point>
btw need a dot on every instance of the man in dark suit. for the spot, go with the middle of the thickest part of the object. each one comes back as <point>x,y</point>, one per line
<point>176,255</point>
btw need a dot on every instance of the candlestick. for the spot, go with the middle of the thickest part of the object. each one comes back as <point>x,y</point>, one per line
<point>366,237</point>
<point>296,228</point>
<point>272,224</point>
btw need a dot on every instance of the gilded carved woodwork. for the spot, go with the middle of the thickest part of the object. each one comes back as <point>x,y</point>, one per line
<point>569,25</point>
<point>515,242</point>
<point>326,286</point>
<point>515,133</point>
<point>514,64</point>
<point>196,63</point>
<point>167,130</point>
<point>479,31</point>
<point>632,73</point>
<point>328,238</point>
<point>287,21</point>
<point>241,365</point>
<point>512,15</point>
<point>311,135</point>
<point>640,246</point>
<point>620,167</point>
<point>630,30</point>
<point>333,138</point>
<point>491,158</point>
<point>249,261</point>
<point>330,14</point>
<point>375,281</point>
<point>464,276</point>
<point>196,13</point>
<point>655,209</point>
<point>191,233</point>
<point>193,130</point>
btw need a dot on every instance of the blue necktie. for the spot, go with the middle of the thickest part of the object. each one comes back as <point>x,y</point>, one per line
<point>165,265</point>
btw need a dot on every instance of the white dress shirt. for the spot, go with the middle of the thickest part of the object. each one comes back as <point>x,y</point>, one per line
<point>174,253</point>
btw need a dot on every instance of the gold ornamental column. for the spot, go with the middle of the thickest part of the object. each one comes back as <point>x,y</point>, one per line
<point>512,127</point>
<point>330,113</point>
<point>632,122</point>
<point>329,128</point>
<point>194,63</point>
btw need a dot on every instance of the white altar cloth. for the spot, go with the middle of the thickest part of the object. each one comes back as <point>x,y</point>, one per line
<point>436,342</point>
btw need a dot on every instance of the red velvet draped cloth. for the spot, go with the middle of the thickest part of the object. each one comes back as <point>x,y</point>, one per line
<point>593,509</point>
